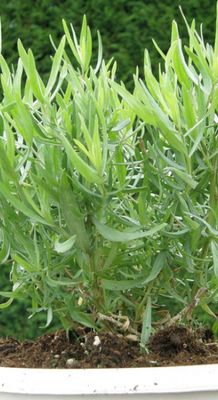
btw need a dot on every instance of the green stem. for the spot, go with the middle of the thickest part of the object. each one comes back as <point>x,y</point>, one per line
<point>211,218</point>
<point>141,305</point>
<point>94,264</point>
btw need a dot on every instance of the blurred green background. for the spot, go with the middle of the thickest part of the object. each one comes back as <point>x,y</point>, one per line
<point>127,28</point>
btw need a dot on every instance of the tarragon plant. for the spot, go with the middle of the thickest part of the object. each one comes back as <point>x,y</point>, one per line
<point>180,155</point>
<point>108,200</point>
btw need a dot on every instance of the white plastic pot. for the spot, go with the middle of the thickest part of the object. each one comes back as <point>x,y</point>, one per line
<point>191,382</point>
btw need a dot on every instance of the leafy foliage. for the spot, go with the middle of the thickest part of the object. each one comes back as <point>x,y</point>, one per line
<point>70,170</point>
<point>180,148</point>
<point>108,200</point>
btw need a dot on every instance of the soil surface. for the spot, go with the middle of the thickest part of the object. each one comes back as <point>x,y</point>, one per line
<point>170,346</point>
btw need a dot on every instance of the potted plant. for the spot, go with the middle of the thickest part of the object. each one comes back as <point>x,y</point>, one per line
<point>108,200</point>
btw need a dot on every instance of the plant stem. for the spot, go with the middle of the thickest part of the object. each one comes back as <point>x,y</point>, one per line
<point>141,305</point>
<point>211,218</point>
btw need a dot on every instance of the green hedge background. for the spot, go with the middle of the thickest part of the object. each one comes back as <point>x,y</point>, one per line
<point>127,28</point>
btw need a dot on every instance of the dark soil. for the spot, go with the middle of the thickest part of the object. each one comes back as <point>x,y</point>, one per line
<point>173,345</point>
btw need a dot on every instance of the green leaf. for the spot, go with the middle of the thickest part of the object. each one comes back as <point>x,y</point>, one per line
<point>192,224</point>
<point>17,78</point>
<point>120,166</point>
<point>162,121</point>
<point>35,82</point>
<point>25,120</point>
<point>20,239</point>
<point>213,231</point>
<point>157,267</point>
<point>5,163</point>
<point>152,84</point>
<point>122,284</point>
<point>45,186</point>
<point>112,255</point>
<point>20,206</point>
<point>23,263</point>
<point>198,47</point>
<point>49,317</point>
<point>146,322</point>
<point>177,233</point>
<point>5,70</point>
<point>12,295</point>
<point>87,136</point>
<point>174,294</point>
<point>55,66</point>
<point>189,110</point>
<point>8,97</point>
<point>1,125</point>
<point>5,248</point>
<point>85,45</point>
<point>180,66</point>
<point>137,282</point>
<point>60,282</point>
<point>166,159</point>
<point>24,56</point>
<point>88,153</point>
<point>63,247</point>
<point>8,107</point>
<point>115,235</point>
<point>104,132</point>
<point>96,146</point>
<point>81,318</point>
<point>100,53</point>
<point>121,125</point>
<point>7,303</point>
<point>214,248</point>
<point>140,109</point>
<point>73,217</point>
<point>84,169</point>
<point>185,177</point>
<point>70,41</point>
<point>173,106</point>
<point>208,310</point>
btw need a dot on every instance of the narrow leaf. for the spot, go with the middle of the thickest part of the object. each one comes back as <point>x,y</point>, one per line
<point>23,263</point>
<point>84,169</point>
<point>73,217</point>
<point>19,206</point>
<point>157,267</point>
<point>208,310</point>
<point>24,56</point>
<point>36,84</point>
<point>140,109</point>
<point>55,66</point>
<point>122,284</point>
<point>5,249</point>
<point>146,323</point>
<point>214,248</point>
<point>115,235</point>
<point>185,177</point>
<point>64,246</point>
<point>70,41</point>
<point>121,125</point>
<point>6,304</point>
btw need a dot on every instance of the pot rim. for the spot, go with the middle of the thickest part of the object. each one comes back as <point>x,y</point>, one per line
<point>181,379</point>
